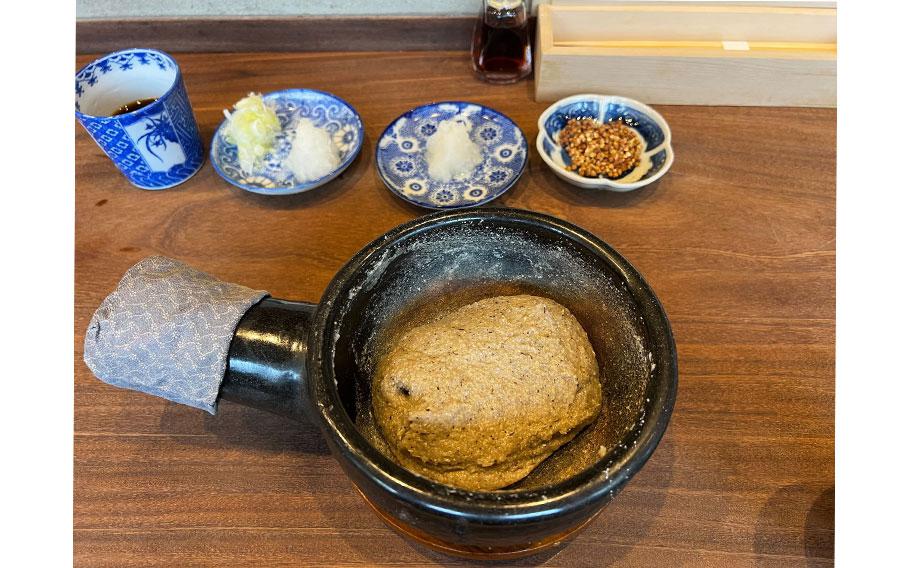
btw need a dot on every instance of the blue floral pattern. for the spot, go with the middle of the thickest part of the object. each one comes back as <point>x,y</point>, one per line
<point>325,111</point>
<point>158,132</point>
<point>403,168</point>
<point>476,194</point>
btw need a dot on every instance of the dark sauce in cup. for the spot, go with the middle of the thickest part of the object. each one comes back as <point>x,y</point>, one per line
<point>133,106</point>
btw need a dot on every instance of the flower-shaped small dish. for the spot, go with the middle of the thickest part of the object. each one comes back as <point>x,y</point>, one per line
<point>657,156</point>
<point>402,164</point>
<point>324,110</point>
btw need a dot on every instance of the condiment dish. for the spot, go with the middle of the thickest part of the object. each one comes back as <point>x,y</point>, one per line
<point>403,166</point>
<point>324,110</point>
<point>647,122</point>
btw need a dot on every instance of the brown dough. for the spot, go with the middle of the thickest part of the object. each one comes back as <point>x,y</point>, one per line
<point>479,397</point>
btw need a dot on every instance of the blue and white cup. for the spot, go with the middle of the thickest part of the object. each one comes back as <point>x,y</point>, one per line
<point>156,146</point>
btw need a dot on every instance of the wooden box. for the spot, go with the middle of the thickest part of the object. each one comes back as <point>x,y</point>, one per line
<point>701,54</point>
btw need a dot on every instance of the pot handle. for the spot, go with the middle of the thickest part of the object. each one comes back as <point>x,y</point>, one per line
<point>266,365</point>
<point>180,334</point>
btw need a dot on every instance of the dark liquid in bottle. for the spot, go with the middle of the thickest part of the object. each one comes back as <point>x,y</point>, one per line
<point>502,46</point>
<point>133,106</point>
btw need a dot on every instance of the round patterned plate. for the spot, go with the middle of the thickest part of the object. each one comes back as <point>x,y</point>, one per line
<point>400,156</point>
<point>324,110</point>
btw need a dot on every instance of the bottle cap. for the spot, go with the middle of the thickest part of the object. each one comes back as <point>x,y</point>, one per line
<point>504,4</point>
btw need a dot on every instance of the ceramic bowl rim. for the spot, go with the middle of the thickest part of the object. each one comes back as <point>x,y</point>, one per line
<point>585,489</point>
<point>588,183</point>
<point>605,183</point>
<point>300,187</point>
<point>505,188</point>
<point>159,102</point>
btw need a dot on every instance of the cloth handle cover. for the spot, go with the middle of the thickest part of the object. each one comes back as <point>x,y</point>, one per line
<point>166,330</point>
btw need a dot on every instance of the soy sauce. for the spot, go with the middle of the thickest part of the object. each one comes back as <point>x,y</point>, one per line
<point>133,106</point>
<point>502,43</point>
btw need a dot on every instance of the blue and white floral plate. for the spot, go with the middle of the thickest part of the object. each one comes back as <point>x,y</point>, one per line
<point>324,110</point>
<point>647,122</point>
<point>400,156</point>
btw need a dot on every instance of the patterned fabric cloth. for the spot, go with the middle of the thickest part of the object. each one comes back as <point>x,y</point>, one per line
<point>166,331</point>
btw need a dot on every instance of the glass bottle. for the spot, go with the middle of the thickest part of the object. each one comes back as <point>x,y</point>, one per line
<point>502,42</point>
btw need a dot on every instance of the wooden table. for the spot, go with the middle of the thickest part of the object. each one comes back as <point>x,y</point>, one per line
<point>737,241</point>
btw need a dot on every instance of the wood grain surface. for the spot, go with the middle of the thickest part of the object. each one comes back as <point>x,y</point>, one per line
<point>737,241</point>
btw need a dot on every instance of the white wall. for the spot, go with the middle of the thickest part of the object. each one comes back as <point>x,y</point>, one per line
<point>87,9</point>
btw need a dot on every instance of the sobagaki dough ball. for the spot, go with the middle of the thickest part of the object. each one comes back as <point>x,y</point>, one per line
<point>479,397</point>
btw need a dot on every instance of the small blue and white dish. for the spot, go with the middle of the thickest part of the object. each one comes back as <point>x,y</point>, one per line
<point>402,165</point>
<point>324,110</point>
<point>647,122</point>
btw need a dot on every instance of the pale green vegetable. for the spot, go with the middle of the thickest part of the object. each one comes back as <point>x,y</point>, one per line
<point>252,127</point>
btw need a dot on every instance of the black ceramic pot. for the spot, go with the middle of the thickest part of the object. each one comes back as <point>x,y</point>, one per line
<point>314,362</point>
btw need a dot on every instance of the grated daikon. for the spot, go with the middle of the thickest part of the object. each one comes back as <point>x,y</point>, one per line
<point>451,153</point>
<point>313,154</point>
